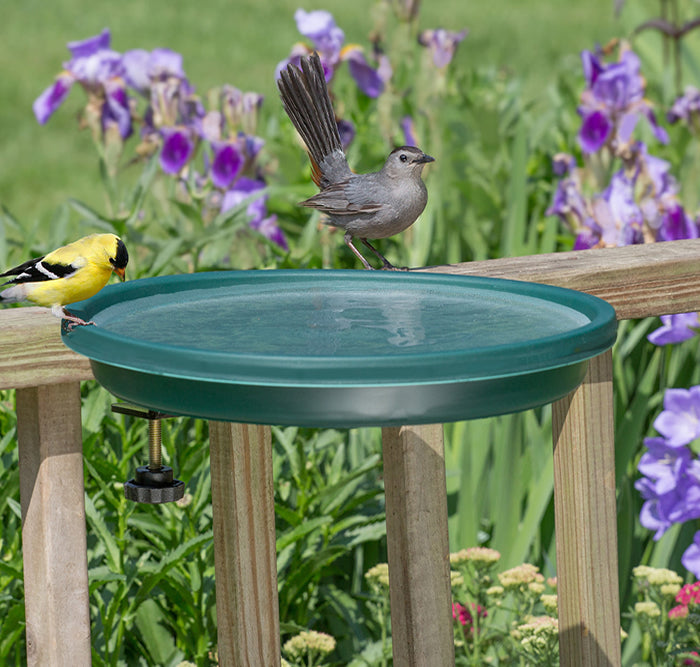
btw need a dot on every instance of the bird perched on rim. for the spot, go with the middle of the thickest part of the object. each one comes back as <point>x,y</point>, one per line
<point>368,206</point>
<point>71,273</point>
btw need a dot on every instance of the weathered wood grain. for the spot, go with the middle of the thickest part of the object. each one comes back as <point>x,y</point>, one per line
<point>54,545</point>
<point>418,545</point>
<point>245,560</point>
<point>31,351</point>
<point>585,521</point>
<point>638,281</point>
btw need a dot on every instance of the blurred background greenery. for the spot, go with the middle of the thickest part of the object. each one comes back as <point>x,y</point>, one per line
<point>238,43</point>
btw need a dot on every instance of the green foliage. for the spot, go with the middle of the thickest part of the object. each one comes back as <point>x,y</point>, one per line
<point>151,567</point>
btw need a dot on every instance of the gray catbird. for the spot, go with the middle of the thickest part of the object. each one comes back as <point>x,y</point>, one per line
<point>373,205</point>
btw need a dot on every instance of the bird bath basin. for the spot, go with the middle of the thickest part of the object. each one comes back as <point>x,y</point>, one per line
<point>339,348</point>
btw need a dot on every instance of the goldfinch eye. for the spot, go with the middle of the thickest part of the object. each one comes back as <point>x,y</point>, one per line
<point>403,157</point>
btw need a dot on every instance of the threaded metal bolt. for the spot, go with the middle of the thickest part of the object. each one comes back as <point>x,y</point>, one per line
<point>154,457</point>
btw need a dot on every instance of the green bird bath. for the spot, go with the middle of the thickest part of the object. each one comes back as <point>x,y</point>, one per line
<point>339,348</point>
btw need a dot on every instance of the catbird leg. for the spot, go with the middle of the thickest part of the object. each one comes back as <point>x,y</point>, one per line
<point>348,242</point>
<point>386,264</point>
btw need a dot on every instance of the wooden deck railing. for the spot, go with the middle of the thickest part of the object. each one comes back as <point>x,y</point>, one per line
<point>639,281</point>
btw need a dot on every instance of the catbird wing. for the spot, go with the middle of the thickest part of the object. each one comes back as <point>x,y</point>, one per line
<point>306,100</point>
<point>344,199</point>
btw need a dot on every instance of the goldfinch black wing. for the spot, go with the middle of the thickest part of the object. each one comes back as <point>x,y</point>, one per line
<point>38,270</point>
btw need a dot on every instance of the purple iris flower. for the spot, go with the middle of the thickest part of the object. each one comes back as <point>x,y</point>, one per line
<point>319,26</point>
<point>269,228</point>
<point>661,511</point>
<point>93,64</point>
<point>298,51</point>
<point>573,209</point>
<point>136,69</point>
<point>242,189</point>
<point>691,558</point>
<point>172,103</point>
<point>93,71</point>
<point>675,329</point>
<point>679,422</point>
<point>617,213</point>
<point>116,110</point>
<point>253,145</point>
<point>227,163</point>
<point>177,149</point>
<point>619,85</point>
<point>588,236</point>
<point>569,201</point>
<point>165,63</point>
<point>685,107</point>
<point>88,47</point>
<point>677,225</point>
<point>442,43</point>
<point>52,98</point>
<point>367,78</point>
<point>613,101</point>
<point>563,164</point>
<point>142,68</point>
<point>592,67</point>
<point>659,172</point>
<point>346,130</point>
<point>664,465</point>
<point>409,131</point>
<point>595,130</point>
<point>670,485</point>
<point>210,126</point>
<point>327,39</point>
<point>240,109</point>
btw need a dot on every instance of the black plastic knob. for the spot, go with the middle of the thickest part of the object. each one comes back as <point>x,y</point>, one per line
<point>154,486</point>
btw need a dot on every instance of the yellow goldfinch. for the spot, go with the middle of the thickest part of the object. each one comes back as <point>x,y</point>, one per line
<point>72,273</point>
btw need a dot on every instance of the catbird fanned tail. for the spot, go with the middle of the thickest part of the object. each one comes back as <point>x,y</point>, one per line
<point>307,103</point>
<point>369,206</point>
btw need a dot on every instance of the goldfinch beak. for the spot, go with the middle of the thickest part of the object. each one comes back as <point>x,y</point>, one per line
<point>121,273</point>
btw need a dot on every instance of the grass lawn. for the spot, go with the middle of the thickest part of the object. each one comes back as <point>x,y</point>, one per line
<point>238,43</point>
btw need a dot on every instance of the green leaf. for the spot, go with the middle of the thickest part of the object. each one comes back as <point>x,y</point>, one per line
<point>513,240</point>
<point>301,531</point>
<point>169,561</point>
<point>109,542</point>
<point>157,637</point>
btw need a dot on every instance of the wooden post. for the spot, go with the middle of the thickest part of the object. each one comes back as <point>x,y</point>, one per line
<point>245,560</point>
<point>586,526</point>
<point>418,546</point>
<point>53,525</point>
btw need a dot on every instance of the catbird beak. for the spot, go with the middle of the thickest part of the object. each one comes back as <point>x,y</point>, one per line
<point>424,158</point>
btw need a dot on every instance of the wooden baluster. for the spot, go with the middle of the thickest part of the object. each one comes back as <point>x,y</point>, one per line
<point>245,560</point>
<point>586,526</point>
<point>54,544</point>
<point>418,546</point>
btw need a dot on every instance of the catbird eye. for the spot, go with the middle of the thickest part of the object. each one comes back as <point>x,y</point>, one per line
<point>403,157</point>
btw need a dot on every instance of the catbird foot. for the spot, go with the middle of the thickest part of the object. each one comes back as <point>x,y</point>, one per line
<point>386,264</point>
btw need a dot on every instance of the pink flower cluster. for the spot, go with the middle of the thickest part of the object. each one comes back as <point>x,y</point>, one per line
<point>687,597</point>
<point>464,616</point>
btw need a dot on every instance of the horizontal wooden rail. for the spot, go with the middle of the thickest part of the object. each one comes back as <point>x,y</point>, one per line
<point>32,353</point>
<point>638,281</point>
